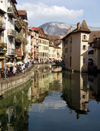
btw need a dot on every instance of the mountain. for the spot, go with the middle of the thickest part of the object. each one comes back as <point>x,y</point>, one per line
<point>58,28</point>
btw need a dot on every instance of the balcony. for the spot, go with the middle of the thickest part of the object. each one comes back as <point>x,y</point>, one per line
<point>18,25</point>
<point>10,12</point>
<point>18,38</point>
<point>2,25</point>
<point>2,8</point>
<point>18,53</point>
<point>11,33</point>
<point>11,51</point>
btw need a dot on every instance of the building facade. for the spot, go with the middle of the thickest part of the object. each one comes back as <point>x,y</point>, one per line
<point>3,41</point>
<point>75,48</point>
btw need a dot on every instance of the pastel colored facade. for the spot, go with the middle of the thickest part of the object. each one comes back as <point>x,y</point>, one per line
<point>43,43</point>
<point>13,33</point>
<point>25,37</point>
<point>75,48</point>
<point>43,50</point>
<point>51,52</point>
<point>58,53</point>
<point>3,41</point>
<point>34,44</point>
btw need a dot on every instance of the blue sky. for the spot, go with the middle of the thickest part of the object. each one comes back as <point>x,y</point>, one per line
<point>67,11</point>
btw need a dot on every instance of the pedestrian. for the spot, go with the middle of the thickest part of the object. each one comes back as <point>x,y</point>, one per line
<point>23,68</point>
<point>14,70</point>
<point>2,73</point>
<point>5,72</point>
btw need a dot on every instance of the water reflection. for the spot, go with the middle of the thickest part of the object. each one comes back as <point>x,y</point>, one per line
<point>76,92</point>
<point>47,92</point>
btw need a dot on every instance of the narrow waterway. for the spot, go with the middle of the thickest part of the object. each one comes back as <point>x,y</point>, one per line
<point>53,101</point>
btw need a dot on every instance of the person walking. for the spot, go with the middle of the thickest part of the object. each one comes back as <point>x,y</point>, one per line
<point>11,68</point>
<point>6,72</point>
<point>14,70</point>
<point>2,73</point>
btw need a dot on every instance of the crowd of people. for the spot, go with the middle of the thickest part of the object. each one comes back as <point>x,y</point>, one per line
<point>12,70</point>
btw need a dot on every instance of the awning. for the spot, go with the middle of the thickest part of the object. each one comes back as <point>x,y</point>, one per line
<point>2,57</point>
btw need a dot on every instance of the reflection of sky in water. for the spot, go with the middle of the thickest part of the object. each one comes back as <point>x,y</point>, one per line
<point>53,115</point>
<point>53,101</point>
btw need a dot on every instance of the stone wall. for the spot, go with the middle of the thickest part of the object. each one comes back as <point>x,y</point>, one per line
<point>16,81</point>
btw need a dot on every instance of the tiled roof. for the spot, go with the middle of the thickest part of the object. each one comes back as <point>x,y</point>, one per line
<point>82,28</point>
<point>93,35</point>
<point>97,44</point>
<point>23,13</point>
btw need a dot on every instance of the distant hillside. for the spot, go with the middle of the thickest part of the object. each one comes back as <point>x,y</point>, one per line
<point>57,28</point>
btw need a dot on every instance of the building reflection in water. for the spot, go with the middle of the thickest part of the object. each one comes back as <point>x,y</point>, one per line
<point>76,92</point>
<point>94,87</point>
<point>77,89</point>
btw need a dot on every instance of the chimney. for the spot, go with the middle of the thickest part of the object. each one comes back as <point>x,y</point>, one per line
<point>78,25</point>
<point>67,31</point>
<point>70,28</point>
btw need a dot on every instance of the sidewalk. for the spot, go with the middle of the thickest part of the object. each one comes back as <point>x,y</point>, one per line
<point>19,75</point>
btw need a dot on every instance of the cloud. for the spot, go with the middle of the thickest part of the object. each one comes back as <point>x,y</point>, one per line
<point>40,13</point>
<point>49,103</point>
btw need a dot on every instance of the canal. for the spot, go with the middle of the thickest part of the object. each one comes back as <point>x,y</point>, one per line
<point>53,101</point>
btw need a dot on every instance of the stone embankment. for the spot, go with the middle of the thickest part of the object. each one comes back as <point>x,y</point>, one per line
<point>15,81</point>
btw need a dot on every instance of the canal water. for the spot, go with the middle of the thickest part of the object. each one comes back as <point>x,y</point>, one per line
<point>53,101</point>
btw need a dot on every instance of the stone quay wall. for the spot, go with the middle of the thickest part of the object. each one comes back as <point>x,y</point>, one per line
<point>16,81</point>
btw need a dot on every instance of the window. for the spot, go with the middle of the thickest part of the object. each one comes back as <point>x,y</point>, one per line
<point>83,60</point>
<point>66,42</point>
<point>71,40</point>
<point>84,47</point>
<point>84,38</point>
<point>66,49</point>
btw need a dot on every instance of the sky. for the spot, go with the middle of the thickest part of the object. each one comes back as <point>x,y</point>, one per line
<point>65,11</point>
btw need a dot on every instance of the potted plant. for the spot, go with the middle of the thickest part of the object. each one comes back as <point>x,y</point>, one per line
<point>2,44</point>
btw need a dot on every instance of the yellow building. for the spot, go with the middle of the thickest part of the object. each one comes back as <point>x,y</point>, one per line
<point>43,42</point>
